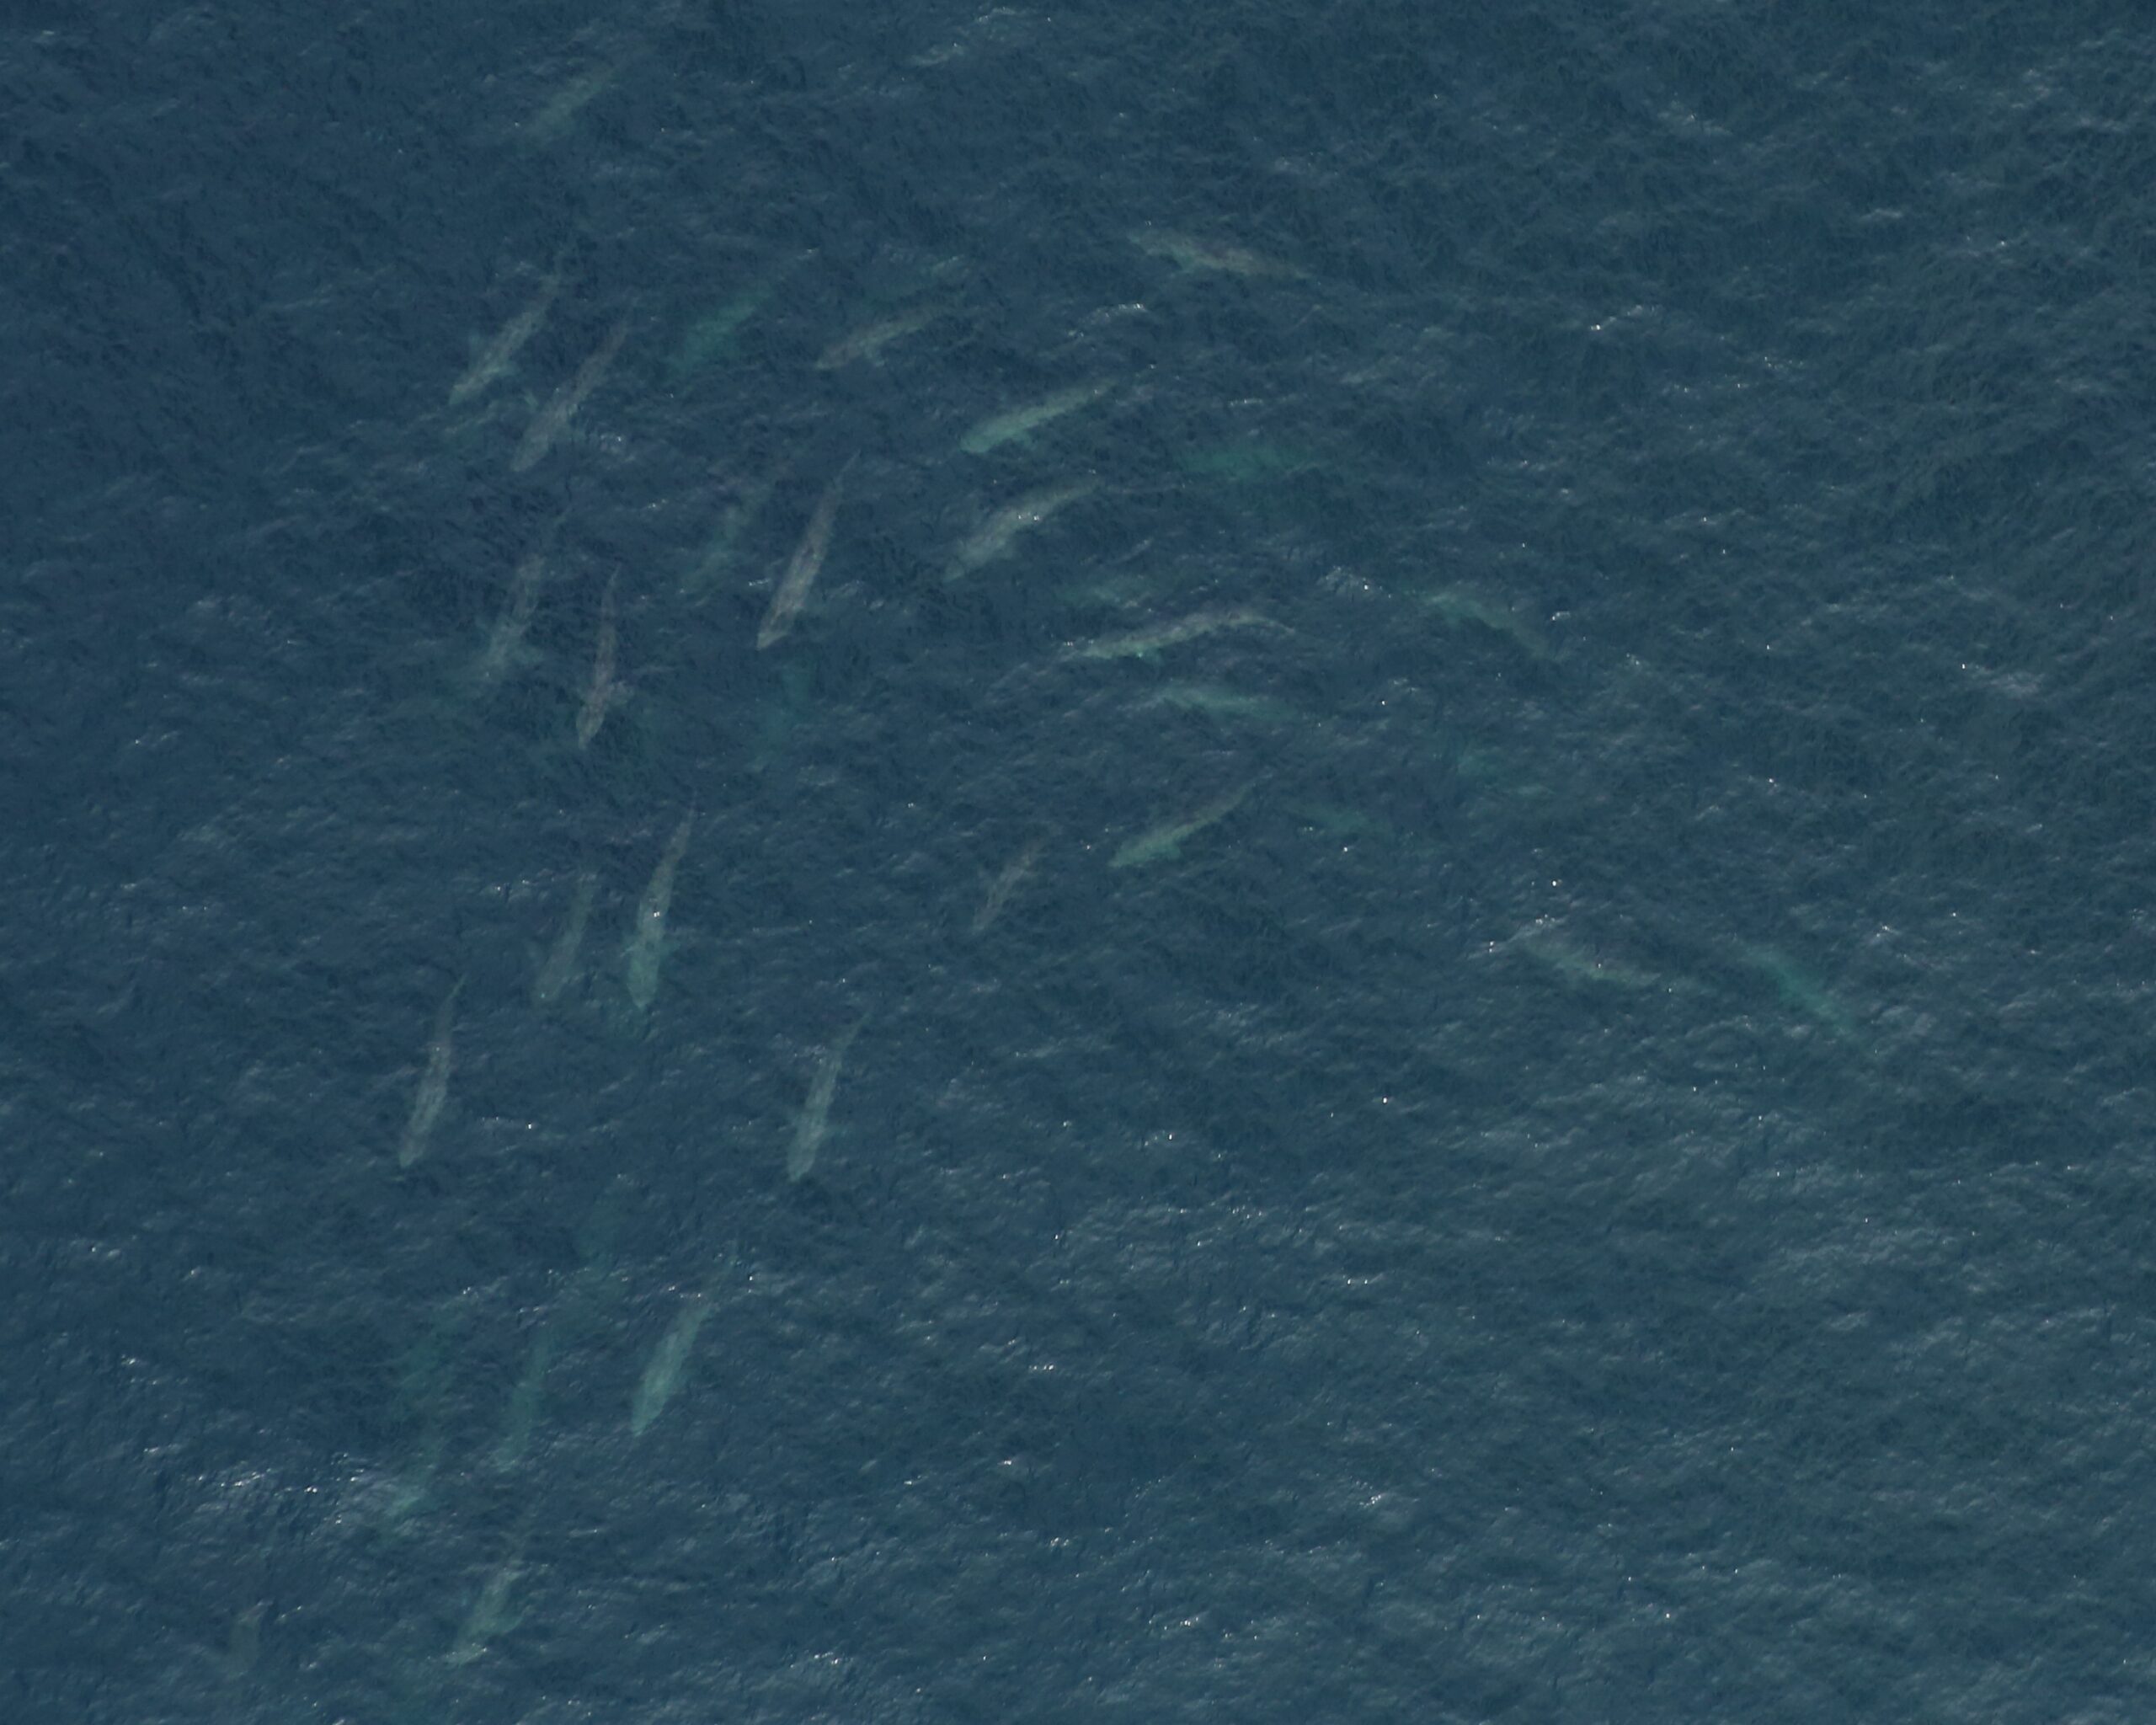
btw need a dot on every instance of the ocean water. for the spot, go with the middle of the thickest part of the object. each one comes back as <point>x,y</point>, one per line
<point>918,864</point>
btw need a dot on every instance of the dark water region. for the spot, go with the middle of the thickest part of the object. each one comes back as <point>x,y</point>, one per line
<point>944,864</point>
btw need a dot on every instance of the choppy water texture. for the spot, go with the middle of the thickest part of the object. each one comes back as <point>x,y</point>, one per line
<point>912,864</point>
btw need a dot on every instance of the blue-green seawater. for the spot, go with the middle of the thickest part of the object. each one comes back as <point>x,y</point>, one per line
<point>1461,1031</point>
